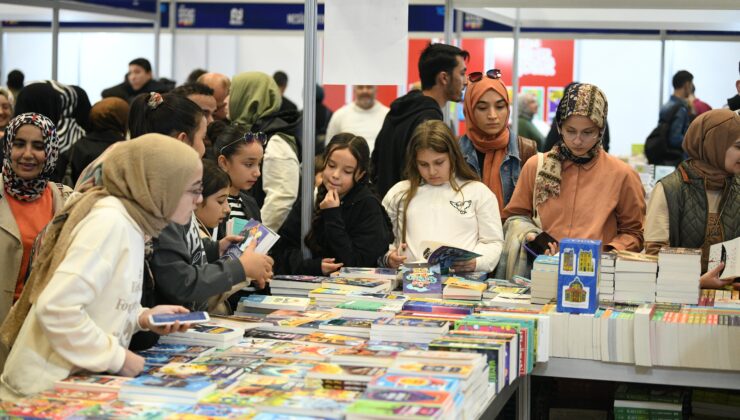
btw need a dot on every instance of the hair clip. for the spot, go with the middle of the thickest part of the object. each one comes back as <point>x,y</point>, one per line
<point>155,100</point>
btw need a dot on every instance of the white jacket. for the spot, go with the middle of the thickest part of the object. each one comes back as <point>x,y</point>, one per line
<point>468,219</point>
<point>280,180</point>
<point>85,317</point>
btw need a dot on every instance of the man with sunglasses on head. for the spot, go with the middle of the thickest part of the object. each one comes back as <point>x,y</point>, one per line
<point>442,72</point>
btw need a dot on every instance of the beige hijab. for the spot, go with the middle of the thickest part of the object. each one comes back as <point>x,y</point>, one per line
<point>148,174</point>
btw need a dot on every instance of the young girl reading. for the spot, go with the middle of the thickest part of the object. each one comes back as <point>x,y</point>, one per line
<point>349,225</point>
<point>442,200</point>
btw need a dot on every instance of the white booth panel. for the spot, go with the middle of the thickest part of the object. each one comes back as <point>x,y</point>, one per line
<point>190,53</point>
<point>222,53</point>
<point>29,52</point>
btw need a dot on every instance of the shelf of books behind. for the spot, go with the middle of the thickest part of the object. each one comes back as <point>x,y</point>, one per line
<point>370,343</point>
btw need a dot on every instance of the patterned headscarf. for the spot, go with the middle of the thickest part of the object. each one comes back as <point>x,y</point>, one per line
<point>580,99</point>
<point>30,189</point>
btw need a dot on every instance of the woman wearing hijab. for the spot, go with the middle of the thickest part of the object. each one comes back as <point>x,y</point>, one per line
<point>488,146</point>
<point>28,201</point>
<point>81,304</point>
<point>6,111</point>
<point>577,190</point>
<point>698,204</point>
<point>255,97</point>
<point>108,124</point>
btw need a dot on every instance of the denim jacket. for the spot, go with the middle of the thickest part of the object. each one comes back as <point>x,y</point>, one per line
<point>510,167</point>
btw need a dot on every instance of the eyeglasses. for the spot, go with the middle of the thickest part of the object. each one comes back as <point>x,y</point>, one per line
<point>476,76</point>
<point>247,138</point>
<point>586,135</point>
<point>195,192</point>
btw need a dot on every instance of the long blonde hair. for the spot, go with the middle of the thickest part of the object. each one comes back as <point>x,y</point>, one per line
<point>436,136</point>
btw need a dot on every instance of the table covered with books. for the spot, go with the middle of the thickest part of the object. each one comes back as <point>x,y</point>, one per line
<point>416,344</point>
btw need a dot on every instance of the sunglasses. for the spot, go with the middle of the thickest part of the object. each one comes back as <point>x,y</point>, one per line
<point>476,76</point>
<point>247,138</point>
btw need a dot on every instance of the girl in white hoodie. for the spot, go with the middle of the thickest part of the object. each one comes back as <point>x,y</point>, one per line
<point>442,200</point>
<point>81,306</point>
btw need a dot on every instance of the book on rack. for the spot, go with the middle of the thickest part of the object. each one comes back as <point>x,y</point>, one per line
<point>390,275</point>
<point>407,330</point>
<point>421,280</point>
<point>323,403</point>
<point>727,252</point>
<point>606,276</point>
<point>524,329</point>
<point>331,340</point>
<point>633,401</point>
<point>461,288</point>
<point>495,353</point>
<point>91,382</point>
<point>635,277</point>
<point>269,304</point>
<point>206,334</point>
<point>542,322</point>
<point>359,327</point>
<point>715,403</point>
<point>578,275</point>
<point>166,389</point>
<point>342,376</point>
<point>679,270</point>
<point>356,284</point>
<point>369,309</point>
<point>545,278</point>
<point>294,285</point>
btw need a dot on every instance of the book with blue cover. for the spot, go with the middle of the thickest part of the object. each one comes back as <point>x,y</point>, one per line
<point>166,389</point>
<point>578,275</point>
<point>416,383</point>
<point>252,231</point>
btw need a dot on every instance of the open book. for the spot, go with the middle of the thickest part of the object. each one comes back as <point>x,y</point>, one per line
<point>445,255</point>
<point>729,253</point>
<point>253,230</point>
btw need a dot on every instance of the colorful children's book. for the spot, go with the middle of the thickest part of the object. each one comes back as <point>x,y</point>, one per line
<point>416,383</point>
<point>426,398</point>
<point>329,403</point>
<point>181,349</point>
<point>158,358</point>
<point>259,333</point>
<point>411,325</point>
<point>369,309</point>
<point>273,302</point>
<point>356,284</point>
<point>379,409</point>
<point>194,370</point>
<point>301,351</point>
<point>345,372</point>
<point>121,410</point>
<point>44,408</point>
<point>209,333</point>
<point>332,340</point>
<point>99,383</point>
<point>421,280</point>
<point>166,389</point>
<point>578,275</point>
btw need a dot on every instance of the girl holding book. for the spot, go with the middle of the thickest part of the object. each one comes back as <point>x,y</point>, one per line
<point>442,200</point>
<point>81,306</point>
<point>215,206</point>
<point>349,226</point>
<point>698,204</point>
<point>239,153</point>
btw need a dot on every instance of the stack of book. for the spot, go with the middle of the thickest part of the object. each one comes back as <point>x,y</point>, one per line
<point>329,297</point>
<point>166,389</point>
<point>389,275</point>
<point>261,305</point>
<point>635,277</point>
<point>343,376</point>
<point>408,407</point>
<point>363,285</point>
<point>370,354</point>
<point>545,279</point>
<point>470,368</point>
<point>679,270</point>
<point>715,403</point>
<point>403,404</point>
<point>319,402</point>
<point>464,289</point>
<point>209,334</point>
<point>407,330</point>
<point>606,276</point>
<point>358,327</point>
<point>524,328</point>
<point>496,286</point>
<point>294,285</point>
<point>649,402</point>
<point>361,308</point>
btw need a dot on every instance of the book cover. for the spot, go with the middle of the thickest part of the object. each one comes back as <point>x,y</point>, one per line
<point>195,370</point>
<point>431,398</point>
<point>355,284</point>
<point>301,351</point>
<point>155,358</point>
<point>274,302</point>
<point>273,335</point>
<point>578,275</point>
<point>350,323</point>
<point>394,409</point>
<point>43,408</point>
<point>459,282</point>
<point>252,231</point>
<point>422,279</point>
<point>437,253</point>
<point>396,324</point>
<point>416,383</point>
<point>121,410</point>
<point>181,349</point>
<point>332,339</point>
<point>165,385</point>
<point>106,383</point>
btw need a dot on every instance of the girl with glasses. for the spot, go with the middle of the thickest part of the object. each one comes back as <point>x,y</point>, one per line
<point>577,190</point>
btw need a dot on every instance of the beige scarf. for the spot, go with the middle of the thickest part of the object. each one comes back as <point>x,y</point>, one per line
<point>148,174</point>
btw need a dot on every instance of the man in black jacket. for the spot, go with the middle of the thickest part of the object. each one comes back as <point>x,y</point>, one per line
<point>442,72</point>
<point>734,102</point>
<point>138,80</point>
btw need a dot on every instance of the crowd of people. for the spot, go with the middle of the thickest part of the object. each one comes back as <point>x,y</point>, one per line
<point>114,211</point>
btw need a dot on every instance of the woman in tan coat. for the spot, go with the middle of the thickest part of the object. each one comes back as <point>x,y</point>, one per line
<point>28,201</point>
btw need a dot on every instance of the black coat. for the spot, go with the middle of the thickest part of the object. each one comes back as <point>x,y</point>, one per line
<point>126,92</point>
<point>89,148</point>
<point>389,154</point>
<point>356,233</point>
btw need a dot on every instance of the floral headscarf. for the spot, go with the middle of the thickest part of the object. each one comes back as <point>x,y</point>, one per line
<point>30,189</point>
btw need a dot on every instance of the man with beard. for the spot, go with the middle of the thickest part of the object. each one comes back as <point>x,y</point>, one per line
<point>363,117</point>
<point>442,72</point>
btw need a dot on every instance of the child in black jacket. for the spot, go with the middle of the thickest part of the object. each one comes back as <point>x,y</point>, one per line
<point>349,225</point>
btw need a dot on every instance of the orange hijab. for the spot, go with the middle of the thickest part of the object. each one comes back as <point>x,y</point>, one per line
<point>495,147</point>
